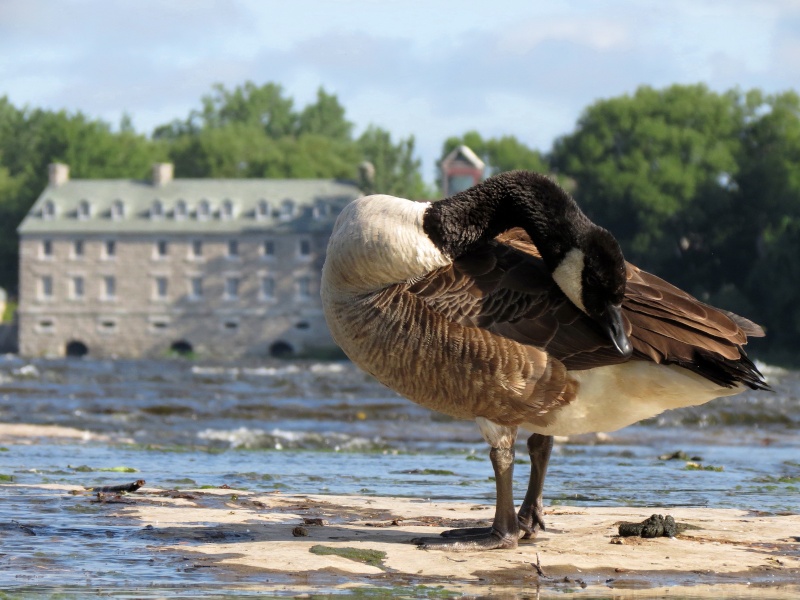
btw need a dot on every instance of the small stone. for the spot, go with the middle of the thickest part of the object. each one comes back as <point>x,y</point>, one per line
<point>299,531</point>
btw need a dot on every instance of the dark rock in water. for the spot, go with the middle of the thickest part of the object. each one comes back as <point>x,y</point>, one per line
<point>678,455</point>
<point>299,531</point>
<point>652,527</point>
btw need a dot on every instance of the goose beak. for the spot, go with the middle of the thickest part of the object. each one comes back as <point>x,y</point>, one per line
<point>614,326</point>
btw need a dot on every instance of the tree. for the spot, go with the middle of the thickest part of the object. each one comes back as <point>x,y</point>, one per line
<point>32,139</point>
<point>397,170</point>
<point>651,167</point>
<point>261,107</point>
<point>325,118</point>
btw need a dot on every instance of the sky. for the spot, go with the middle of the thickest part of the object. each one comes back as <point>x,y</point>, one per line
<point>427,68</point>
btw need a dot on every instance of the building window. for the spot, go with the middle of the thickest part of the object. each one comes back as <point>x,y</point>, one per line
<point>196,288</point>
<point>268,249</point>
<point>109,288</point>
<point>267,288</point>
<point>233,249</point>
<point>159,325</point>
<point>262,210</point>
<point>110,249</point>
<point>304,287</point>
<point>231,288</point>
<point>117,210</point>
<point>77,249</point>
<point>180,209</point>
<point>47,248</point>
<point>49,210</point>
<point>287,209</point>
<point>107,325</point>
<point>84,210</point>
<point>78,290</point>
<point>46,326</point>
<point>304,248</point>
<point>161,288</point>
<point>157,209</point>
<point>162,249</point>
<point>46,287</point>
<point>203,210</point>
<point>197,249</point>
<point>227,209</point>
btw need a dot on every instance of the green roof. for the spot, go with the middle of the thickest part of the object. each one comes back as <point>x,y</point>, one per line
<point>277,205</point>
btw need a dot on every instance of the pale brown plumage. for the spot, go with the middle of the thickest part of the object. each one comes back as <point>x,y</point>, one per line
<point>492,336</point>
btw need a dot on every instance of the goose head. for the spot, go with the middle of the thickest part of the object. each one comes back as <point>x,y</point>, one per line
<point>592,274</point>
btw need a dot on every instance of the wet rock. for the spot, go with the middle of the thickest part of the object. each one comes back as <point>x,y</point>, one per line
<point>299,531</point>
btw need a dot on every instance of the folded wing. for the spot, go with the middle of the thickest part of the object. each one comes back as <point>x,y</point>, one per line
<point>504,287</point>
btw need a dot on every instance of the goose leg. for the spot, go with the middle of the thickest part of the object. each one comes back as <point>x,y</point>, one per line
<point>531,512</point>
<point>505,530</point>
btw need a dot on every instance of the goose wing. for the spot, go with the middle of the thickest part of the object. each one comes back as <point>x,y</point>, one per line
<point>504,287</point>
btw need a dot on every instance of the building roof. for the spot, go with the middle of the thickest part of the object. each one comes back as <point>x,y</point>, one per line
<point>234,205</point>
<point>463,154</point>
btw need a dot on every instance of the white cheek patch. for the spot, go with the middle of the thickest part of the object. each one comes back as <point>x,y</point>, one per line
<point>568,276</point>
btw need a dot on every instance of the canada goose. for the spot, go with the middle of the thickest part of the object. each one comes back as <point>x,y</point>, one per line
<point>505,304</point>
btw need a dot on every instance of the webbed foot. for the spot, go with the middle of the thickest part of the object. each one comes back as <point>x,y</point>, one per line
<point>484,539</point>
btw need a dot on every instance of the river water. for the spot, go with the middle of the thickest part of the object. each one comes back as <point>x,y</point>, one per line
<point>305,427</point>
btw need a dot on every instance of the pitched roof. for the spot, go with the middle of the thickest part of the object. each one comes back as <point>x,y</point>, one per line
<point>463,154</point>
<point>255,205</point>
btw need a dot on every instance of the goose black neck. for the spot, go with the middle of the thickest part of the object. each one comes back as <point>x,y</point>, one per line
<point>532,201</point>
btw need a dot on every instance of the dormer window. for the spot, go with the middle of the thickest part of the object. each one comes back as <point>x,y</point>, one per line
<point>287,209</point>
<point>117,209</point>
<point>49,209</point>
<point>180,209</point>
<point>84,210</point>
<point>227,209</point>
<point>262,210</point>
<point>321,210</point>
<point>157,209</point>
<point>203,210</point>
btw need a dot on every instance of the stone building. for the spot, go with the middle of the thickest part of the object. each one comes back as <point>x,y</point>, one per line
<point>218,268</point>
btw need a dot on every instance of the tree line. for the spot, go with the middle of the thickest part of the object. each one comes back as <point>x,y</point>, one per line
<point>702,188</point>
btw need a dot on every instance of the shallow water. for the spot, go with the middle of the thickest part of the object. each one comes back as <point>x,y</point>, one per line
<point>323,428</point>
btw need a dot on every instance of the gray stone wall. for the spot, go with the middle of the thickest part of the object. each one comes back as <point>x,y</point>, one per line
<point>136,322</point>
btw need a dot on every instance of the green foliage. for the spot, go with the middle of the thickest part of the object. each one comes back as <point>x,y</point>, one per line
<point>250,131</point>
<point>703,189</point>
<point>642,161</point>
<point>397,170</point>
<point>30,139</point>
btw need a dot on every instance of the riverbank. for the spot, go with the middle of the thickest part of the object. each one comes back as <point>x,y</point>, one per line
<point>291,543</point>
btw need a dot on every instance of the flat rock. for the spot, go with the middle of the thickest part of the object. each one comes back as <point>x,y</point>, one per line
<point>730,551</point>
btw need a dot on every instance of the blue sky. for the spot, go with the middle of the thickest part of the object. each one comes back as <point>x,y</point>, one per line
<point>428,68</point>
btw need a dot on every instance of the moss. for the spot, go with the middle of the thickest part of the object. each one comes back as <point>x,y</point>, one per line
<point>8,313</point>
<point>373,558</point>
<point>427,472</point>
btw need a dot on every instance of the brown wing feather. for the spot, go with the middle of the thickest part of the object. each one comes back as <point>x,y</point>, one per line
<point>505,288</point>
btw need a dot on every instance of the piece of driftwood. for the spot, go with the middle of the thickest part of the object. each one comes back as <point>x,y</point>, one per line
<point>118,489</point>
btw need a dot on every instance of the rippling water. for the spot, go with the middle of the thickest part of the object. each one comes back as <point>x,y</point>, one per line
<point>327,427</point>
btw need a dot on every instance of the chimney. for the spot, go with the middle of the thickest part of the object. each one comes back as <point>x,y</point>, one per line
<point>58,173</point>
<point>162,173</point>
